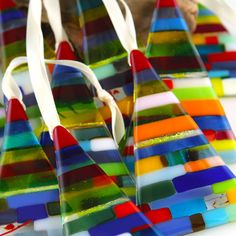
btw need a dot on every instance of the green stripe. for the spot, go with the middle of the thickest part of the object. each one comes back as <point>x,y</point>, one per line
<point>194,93</point>
<point>114,169</point>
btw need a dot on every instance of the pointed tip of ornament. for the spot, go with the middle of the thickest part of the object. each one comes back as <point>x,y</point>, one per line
<point>6,4</point>
<point>65,52</point>
<point>166,3</point>
<point>15,111</point>
<point>62,138</point>
<point>139,61</point>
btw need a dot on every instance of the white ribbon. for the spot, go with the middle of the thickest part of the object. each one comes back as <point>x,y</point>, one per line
<point>54,16</point>
<point>124,27</point>
<point>225,10</point>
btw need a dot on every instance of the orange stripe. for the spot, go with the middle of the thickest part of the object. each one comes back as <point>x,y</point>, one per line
<point>203,164</point>
<point>203,107</point>
<point>163,127</point>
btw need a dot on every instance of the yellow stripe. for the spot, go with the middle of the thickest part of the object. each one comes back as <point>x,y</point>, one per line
<point>218,86</point>
<point>147,165</point>
<point>224,145</point>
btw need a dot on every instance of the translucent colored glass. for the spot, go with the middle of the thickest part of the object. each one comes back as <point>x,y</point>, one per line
<point>183,185</point>
<point>175,58</point>
<point>29,196</point>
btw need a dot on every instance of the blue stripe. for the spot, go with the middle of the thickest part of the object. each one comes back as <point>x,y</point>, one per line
<point>11,14</point>
<point>119,225</point>
<point>107,156</point>
<point>216,123</point>
<point>229,157</point>
<point>146,76</point>
<point>67,79</point>
<point>202,178</point>
<point>175,227</point>
<point>99,39</point>
<point>13,24</point>
<point>181,197</point>
<point>169,24</point>
<point>205,12</point>
<point>71,155</point>
<point>59,69</point>
<point>228,65</point>
<point>173,146</point>
<point>17,127</point>
<point>33,199</point>
<point>215,217</point>
<point>218,73</point>
<point>207,49</point>
<point>86,5</point>
<point>188,208</point>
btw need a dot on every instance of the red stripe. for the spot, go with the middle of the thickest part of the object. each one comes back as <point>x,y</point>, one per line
<point>210,28</point>
<point>212,40</point>
<point>125,209</point>
<point>165,3</point>
<point>97,26</point>
<point>5,4</point>
<point>224,56</point>
<point>81,174</point>
<point>139,62</point>
<point>219,135</point>
<point>129,150</point>
<point>62,138</point>
<point>175,63</point>
<point>34,166</point>
<point>15,111</point>
<point>14,35</point>
<point>158,216</point>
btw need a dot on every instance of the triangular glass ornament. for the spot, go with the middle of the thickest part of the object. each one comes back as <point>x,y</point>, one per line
<point>91,203</point>
<point>183,185</point>
<point>173,54</point>
<point>104,53</point>
<point>78,113</point>
<point>28,184</point>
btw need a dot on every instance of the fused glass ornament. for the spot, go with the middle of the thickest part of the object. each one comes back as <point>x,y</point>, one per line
<point>78,113</point>
<point>103,52</point>
<point>13,44</point>
<point>91,203</point>
<point>217,49</point>
<point>174,56</point>
<point>29,193</point>
<point>183,186</point>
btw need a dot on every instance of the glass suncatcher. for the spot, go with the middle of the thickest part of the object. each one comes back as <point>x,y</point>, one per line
<point>78,113</point>
<point>106,56</point>
<point>217,49</point>
<point>172,53</point>
<point>29,197</point>
<point>183,185</point>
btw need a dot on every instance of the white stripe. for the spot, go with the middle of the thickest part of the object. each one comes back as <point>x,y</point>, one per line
<point>46,224</point>
<point>190,82</point>
<point>102,144</point>
<point>155,100</point>
<point>229,86</point>
<point>84,233</point>
<point>167,173</point>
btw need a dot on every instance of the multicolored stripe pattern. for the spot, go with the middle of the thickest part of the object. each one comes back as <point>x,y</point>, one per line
<point>12,31</point>
<point>103,52</point>
<point>91,203</point>
<point>183,185</point>
<point>78,113</point>
<point>28,184</point>
<point>174,56</point>
<point>217,49</point>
